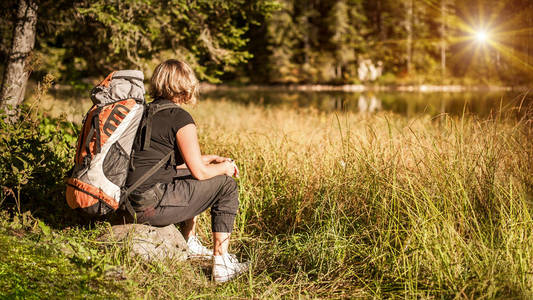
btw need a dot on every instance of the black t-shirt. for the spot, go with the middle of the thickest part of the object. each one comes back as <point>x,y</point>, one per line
<point>165,125</point>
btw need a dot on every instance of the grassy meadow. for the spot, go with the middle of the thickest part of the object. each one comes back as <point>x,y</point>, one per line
<point>333,205</point>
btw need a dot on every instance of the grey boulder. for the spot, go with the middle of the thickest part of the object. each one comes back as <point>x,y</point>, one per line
<point>148,242</point>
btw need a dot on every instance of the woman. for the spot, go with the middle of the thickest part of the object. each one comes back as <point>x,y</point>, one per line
<point>180,191</point>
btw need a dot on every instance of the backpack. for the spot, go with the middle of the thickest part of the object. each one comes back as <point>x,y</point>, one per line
<point>104,147</point>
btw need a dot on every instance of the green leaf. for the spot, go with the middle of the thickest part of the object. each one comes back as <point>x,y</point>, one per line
<point>45,228</point>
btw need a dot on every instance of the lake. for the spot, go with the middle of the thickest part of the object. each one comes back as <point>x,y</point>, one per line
<point>404,103</point>
<point>75,104</point>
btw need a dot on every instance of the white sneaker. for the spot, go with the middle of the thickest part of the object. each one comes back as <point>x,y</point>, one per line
<point>227,267</point>
<point>197,250</point>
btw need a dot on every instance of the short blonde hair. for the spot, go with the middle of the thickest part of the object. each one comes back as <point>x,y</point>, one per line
<point>174,80</point>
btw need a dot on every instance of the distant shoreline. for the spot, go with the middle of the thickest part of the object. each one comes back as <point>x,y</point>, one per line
<point>358,88</point>
<point>348,88</point>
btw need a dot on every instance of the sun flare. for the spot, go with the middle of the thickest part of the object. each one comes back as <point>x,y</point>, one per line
<point>482,36</point>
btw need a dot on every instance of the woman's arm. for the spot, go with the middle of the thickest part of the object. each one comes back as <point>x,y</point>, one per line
<point>208,159</point>
<point>211,158</point>
<point>187,138</point>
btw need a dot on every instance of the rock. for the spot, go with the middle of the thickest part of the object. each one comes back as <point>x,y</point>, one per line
<point>148,242</point>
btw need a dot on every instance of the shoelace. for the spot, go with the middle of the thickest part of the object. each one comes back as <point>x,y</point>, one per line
<point>233,258</point>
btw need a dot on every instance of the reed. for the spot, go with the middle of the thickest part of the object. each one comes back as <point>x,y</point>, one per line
<point>380,204</point>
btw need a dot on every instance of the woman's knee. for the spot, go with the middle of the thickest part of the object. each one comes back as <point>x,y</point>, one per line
<point>230,194</point>
<point>230,183</point>
<point>230,186</point>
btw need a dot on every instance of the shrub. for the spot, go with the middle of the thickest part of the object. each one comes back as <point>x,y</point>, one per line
<point>35,156</point>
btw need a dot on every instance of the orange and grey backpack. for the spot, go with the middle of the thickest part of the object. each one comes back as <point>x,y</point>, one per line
<point>104,148</point>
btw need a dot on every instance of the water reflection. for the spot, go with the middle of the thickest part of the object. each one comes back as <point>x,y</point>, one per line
<point>368,103</point>
<point>405,103</point>
<point>75,103</point>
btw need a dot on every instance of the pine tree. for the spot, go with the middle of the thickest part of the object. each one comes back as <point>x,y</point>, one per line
<point>344,24</point>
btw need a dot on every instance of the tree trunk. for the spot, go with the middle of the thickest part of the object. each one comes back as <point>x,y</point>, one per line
<point>18,68</point>
<point>528,34</point>
<point>381,30</point>
<point>307,49</point>
<point>409,29</point>
<point>443,26</point>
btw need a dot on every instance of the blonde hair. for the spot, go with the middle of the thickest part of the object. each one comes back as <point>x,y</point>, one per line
<point>174,80</point>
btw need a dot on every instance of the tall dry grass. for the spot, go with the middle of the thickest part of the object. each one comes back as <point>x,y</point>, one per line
<point>378,205</point>
<point>356,205</point>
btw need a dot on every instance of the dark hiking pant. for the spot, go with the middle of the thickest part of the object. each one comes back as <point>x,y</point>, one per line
<point>187,197</point>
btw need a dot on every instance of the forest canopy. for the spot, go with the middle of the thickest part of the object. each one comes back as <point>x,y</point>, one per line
<point>286,41</point>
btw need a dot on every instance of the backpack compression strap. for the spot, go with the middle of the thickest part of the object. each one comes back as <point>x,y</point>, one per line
<point>153,169</point>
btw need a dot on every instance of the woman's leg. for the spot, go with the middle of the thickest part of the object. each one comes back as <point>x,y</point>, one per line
<point>220,239</point>
<point>188,228</point>
<point>185,199</point>
<point>225,265</point>
<point>221,242</point>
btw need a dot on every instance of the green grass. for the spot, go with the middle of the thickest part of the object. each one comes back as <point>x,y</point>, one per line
<point>37,263</point>
<point>347,205</point>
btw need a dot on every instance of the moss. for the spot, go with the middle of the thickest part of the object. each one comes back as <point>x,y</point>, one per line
<point>31,268</point>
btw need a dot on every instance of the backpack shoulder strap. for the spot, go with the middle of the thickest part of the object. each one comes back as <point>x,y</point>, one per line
<point>152,110</point>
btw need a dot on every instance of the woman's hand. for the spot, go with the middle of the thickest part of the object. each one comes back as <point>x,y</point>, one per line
<point>236,174</point>
<point>229,169</point>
